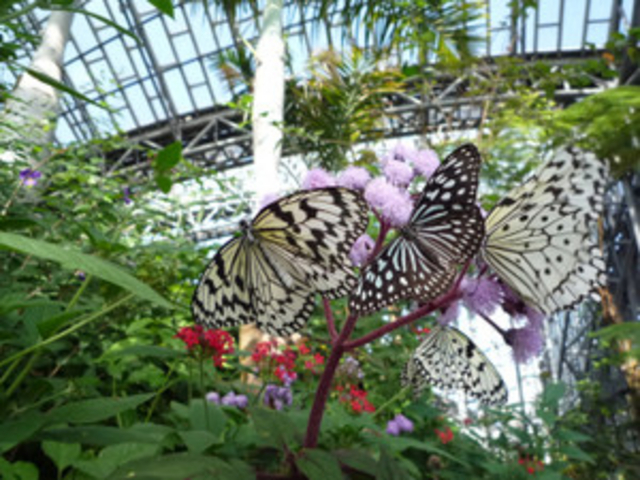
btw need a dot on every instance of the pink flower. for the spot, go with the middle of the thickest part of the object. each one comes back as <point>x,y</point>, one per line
<point>401,153</point>
<point>398,173</point>
<point>450,314</point>
<point>394,205</point>
<point>318,178</point>
<point>425,162</point>
<point>267,199</point>
<point>481,295</point>
<point>361,250</point>
<point>354,177</point>
<point>526,342</point>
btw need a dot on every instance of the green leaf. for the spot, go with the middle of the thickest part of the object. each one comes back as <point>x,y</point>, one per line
<point>552,394</point>
<point>388,468</point>
<point>169,157</point>
<point>622,331</point>
<point>14,432</point>
<point>567,435</point>
<point>203,414</point>
<point>112,457</point>
<point>318,465</point>
<point>179,466</point>
<point>18,470</point>
<point>51,325</point>
<point>152,351</point>
<point>576,453</point>
<point>99,435</point>
<point>96,409</point>
<point>165,6</point>
<point>62,454</point>
<point>358,460</point>
<point>164,183</point>
<point>197,441</point>
<point>75,260</point>
<point>274,427</point>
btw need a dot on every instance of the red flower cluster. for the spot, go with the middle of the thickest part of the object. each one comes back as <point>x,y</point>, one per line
<point>282,363</point>
<point>356,399</point>
<point>446,436</point>
<point>421,331</point>
<point>213,343</point>
<point>531,465</point>
<point>317,359</point>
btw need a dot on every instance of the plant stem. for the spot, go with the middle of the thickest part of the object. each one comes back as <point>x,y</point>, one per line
<point>79,292</point>
<point>392,400</point>
<point>331,322</point>
<point>68,331</point>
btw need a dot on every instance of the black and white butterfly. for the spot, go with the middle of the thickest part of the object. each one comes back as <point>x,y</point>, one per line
<point>445,229</point>
<point>294,248</point>
<point>541,237</point>
<point>448,359</point>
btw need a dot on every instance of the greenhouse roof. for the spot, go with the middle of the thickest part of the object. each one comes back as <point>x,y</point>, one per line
<point>167,81</point>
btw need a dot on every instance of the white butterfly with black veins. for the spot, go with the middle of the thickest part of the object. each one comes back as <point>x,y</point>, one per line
<point>445,229</point>
<point>540,237</point>
<point>448,359</point>
<point>294,248</point>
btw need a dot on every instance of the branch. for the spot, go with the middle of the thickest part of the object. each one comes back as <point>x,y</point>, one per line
<point>331,323</point>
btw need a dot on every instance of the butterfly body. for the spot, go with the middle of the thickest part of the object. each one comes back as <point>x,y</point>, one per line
<point>445,229</point>
<point>294,248</point>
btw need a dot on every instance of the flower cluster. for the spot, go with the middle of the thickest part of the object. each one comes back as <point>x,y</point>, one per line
<point>445,436</point>
<point>355,398</point>
<point>531,465</point>
<point>526,341</point>
<point>281,363</point>
<point>399,424</point>
<point>349,371</point>
<point>231,399</point>
<point>207,343</point>
<point>277,397</point>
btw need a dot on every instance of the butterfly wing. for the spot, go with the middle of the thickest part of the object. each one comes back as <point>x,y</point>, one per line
<point>445,229</point>
<point>448,359</point>
<point>222,297</point>
<point>540,238</point>
<point>313,231</point>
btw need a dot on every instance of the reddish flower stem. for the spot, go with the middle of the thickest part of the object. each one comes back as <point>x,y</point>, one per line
<point>331,323</point>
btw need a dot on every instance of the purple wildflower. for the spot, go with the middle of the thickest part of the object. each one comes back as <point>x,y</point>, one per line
<point>425,162</point>
<point>526,342</point>
<point>213,397</point>
<point>394,205</point>
<point>534,317</point>
<point>361,250</point>
<point>511,302</point>
<point>318,178</point>
<point>398,173</point>
<point>30,177</point>
<point>231,399</point>
<point>354,177</point>
<point>401,153</point>
<point>81,275</point>
<point>350,369</point>
<point>399,424</point>
<point>277,397</point>
<point>481,295</point>
<point>450,314</point>
<point>126,195</point>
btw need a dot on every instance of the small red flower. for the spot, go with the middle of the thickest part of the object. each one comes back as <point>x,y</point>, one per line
<point>446,436</point>
<point>303,349</point>
<point>319,359</point>
<point>212,343</point>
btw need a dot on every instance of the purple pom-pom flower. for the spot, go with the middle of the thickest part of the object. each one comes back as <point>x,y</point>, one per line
<point>425,162</point>
<point>526,342</point>
<point>398,173</point>
<point>354,177</point>
<point>318,178</point>
<point>361,250</point>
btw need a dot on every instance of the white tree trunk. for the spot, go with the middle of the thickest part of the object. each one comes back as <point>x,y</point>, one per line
<point>268,101</point>
<point>31,111</point>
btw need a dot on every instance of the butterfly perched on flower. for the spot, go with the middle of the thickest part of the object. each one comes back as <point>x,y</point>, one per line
<point>448,359</point>
<point>540,237</point>
<point>294,248</point>
<point>444,230</point>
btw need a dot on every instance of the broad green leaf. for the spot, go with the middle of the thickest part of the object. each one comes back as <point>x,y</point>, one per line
<point>96,409</point>
<point>358,460</point>
<point>552,394</point>
<point>62,454</point>
<point>164,183</point>
<point>181,466</point>
<point>318,465</point>
<point>14,432</point>
<point>18,470</point>
<point>207,416</point>
<point>576,453</point>
<point>388,468</point>
<point>197,441</point>
<point>571,436</point>
<point>51,325</point>
<point>152,351</point>
<point>110,458</point>
<point>75,260</point>
<point>99,435</point>
<point>169,157</point>
<point>165,6</point>
<point>274,427</point>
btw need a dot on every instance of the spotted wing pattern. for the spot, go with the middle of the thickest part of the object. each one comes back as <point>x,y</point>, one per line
<point>294,248</point>
<point>542,237</point>
<point>449,360</point>
<point>445,229</point>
